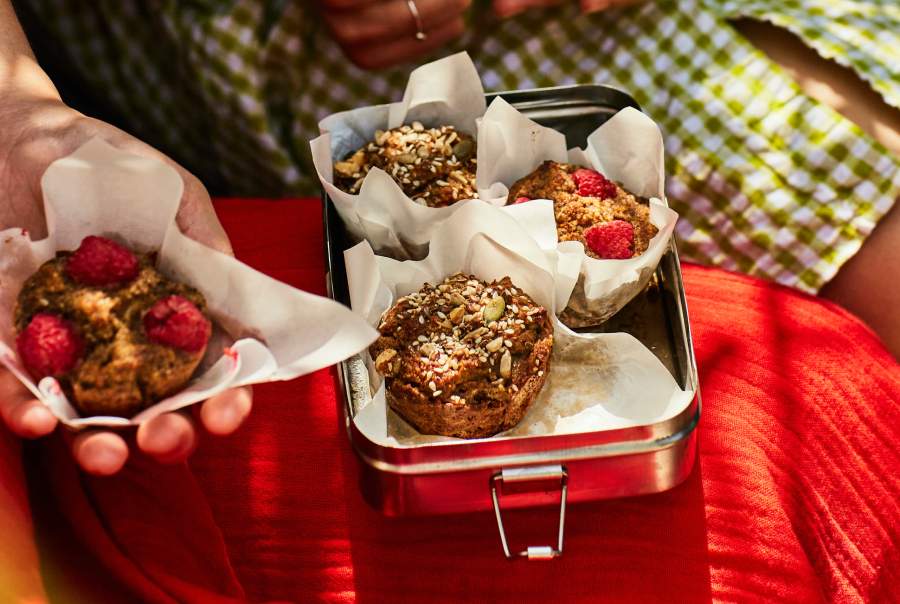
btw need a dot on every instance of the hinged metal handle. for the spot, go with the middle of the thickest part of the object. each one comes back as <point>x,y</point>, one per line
<point>542,552</point>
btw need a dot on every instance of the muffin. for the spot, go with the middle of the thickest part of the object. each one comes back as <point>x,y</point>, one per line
<point>465,358</point>
<point>434,166</point>
<point>610,222</point>
<point>116,334</point>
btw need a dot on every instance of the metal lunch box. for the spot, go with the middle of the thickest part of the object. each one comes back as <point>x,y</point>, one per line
<point>477,475</point>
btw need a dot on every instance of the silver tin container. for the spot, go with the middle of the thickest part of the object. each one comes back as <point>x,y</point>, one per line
<point>501,473</point>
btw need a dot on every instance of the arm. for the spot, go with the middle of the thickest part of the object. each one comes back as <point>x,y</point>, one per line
<point>860,285</point>
<point>36,128</point>
<point>19,72</point>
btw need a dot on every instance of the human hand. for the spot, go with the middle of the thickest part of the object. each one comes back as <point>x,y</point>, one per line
<point>34,132</point>
<point>380,33</point>
<point>509,8</point>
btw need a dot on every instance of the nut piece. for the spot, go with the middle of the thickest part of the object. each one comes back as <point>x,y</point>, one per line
<point>463,149</point>
<point>494,345</point>
<point>477,332</point>
<point>455,298</point>
<point>494,308</point>
<point>459,176</point>
<point>505,364</point>
<point>406,158</point>
<point>456,315</point>
<point>351,166</point>
<point>383,362</point>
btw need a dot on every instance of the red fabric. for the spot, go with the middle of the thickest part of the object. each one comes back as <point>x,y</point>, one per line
<point>794,496</point>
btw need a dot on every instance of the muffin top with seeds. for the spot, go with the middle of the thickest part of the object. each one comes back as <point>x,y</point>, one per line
<point>433,166</point>
<point>464,342</point>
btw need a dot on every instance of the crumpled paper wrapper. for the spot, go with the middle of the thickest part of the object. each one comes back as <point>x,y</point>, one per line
<point>628,148</point>
<point>596,381</point>
<point>447,92</point>
<point>274,332</point>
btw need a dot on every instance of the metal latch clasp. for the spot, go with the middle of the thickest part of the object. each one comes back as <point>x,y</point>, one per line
<point>533,473</point>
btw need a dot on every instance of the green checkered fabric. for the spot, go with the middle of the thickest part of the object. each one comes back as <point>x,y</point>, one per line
<point>767,180</point>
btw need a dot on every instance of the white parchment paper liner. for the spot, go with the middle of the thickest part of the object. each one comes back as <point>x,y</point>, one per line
<point>596,382</point>
<point>447,92</point>
<point>628,148</point>
<point>98,190</point>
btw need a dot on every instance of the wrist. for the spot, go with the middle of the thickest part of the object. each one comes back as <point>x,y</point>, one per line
<point>20,73</point>
<point>22,80</point>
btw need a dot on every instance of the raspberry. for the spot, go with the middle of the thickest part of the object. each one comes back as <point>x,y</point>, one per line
<point>175,321</point>
<point>522,199</point>
<point>611,240</point>
<point>49,345</point>
<point>591,183</point>
<point>100,261</point>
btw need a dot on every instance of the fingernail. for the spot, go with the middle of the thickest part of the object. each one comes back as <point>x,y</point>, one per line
<point>592,6</point>
<point>227,418</point>
<point>506,9</point>
<point>164,440</point>
<point>104,462</point>
<point>37,420</point>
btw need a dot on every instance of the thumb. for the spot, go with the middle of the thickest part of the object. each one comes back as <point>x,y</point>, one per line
<point>196,216</point>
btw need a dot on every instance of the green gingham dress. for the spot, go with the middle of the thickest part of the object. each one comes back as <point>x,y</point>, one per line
<point>767,180</point>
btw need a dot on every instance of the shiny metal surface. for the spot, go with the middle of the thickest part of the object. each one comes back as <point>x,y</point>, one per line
<point>442,478</point>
